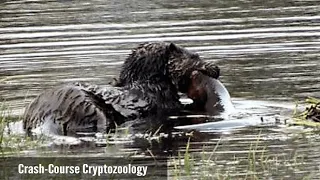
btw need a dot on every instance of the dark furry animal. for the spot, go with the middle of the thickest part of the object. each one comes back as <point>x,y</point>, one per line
<point>163,69</point>
<point>69,109</point>
<point>164,63</point>
<point>74,108</point>
<point>147,92</point>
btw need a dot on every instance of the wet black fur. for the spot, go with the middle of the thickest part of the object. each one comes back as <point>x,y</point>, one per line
<point>147,90</point>
<point>161,70</point>
<point>164,63</point>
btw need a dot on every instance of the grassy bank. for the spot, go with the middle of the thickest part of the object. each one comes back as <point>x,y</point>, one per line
<point>258,162</point>
<point>310,116</point>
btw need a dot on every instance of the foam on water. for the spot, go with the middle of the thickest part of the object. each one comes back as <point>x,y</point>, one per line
<point>246,113</point>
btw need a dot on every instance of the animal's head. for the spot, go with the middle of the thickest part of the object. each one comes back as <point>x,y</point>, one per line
<point>182,63</point>
<point>164,62</point>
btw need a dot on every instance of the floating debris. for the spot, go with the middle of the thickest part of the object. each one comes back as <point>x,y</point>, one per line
<point>311,115</point>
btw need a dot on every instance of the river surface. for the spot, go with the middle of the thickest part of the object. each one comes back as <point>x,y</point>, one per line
<point>268,52</point>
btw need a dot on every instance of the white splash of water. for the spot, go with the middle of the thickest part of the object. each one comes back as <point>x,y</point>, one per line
<point>47,128</point>
<point>14,128</point>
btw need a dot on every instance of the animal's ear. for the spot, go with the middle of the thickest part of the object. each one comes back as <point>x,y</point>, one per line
<point>172,47</point>
<point>210,70</point>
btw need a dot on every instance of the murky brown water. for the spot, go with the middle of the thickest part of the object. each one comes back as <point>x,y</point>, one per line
<point>268,52</point>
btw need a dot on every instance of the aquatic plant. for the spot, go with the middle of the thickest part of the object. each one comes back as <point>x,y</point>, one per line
<point>310,116</point>
<point>256,162</point>
<point>13,143</point>
<point>2,124</point>
<point>4,120</point>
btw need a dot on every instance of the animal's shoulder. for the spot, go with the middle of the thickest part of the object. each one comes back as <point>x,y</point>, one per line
<point>130,101</point>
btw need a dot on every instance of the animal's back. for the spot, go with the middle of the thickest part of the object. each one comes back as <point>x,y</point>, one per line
<point>66,109</point>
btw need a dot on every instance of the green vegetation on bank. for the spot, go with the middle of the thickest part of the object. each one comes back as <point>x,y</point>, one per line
<point>258,163</point>
<point>310,116</point>
<point>261,162</point>
<point>12,143</point>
